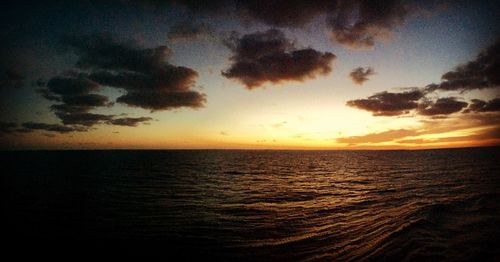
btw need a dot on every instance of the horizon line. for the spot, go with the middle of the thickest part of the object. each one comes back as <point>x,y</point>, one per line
<point>244,149</point>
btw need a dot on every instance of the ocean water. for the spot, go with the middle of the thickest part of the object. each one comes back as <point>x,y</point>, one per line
<point>261,205</point>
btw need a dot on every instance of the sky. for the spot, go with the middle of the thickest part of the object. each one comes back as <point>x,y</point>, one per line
<point>249,74</point>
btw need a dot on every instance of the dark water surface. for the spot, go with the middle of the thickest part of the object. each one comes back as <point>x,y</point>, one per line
<point>262,205</point>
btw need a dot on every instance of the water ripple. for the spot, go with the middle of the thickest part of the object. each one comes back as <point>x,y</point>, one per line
<point>266,205</point>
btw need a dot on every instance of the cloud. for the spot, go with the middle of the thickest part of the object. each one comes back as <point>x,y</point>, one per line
<point>150,81</point>
<point>478,74</point>
<point>280,13</point>
<point>159,100</point>
<point>269,57</point>
<point>395,104</point>
<point>10,78</point>
<point>12,127</point>
<point>64,108</point>
<point>47,94</point>
<point>85,119</point>
<point>359,75</point>
<point>359,24</point>
<point>492,133</point>
<point>284,13</point>
<point>385,136</point>
<point>356,24</point>
<point>73,92</point>
<point>90,100</point>
<point>189,30</point>
<point>481,73</point>
<point>488,119</point>
<point>478,105</point>
<point>7,127</point>
<point>74,122</point>
<point>71,86</point>
<point>279,125</point>
<point>389,104</point>
<point>129,121</point>
<point>442,106</point>
<point>479,126</point>
<point>462,128</point>
<point>51,127</point>
<point>14,63</point>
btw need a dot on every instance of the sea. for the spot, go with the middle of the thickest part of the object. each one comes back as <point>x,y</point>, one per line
<point>258,205</point>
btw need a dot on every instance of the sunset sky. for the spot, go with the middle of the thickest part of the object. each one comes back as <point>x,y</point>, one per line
<point>250,74</point>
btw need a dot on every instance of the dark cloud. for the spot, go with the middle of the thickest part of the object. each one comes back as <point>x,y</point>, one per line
<point>395,104</point>
<point>157,100</point>
<point>64,108</point>
<point>150,81</point>
<point>47,94</point>
<point>71,86</point>
<point>352,23</point>
<point>10,78</point>
<point>484,72</point>
<point>389,104</point>
<point>89,100</point>
<point>360,75</point>
<point>269,57</point>
<point>14,62</point>
<point>73,93</point>
<point>51,127</point>
<point>478,74</point>
<point>129,121</point>
<point>478,105</point>
<point>491,119</point>
<point>283,13</point>
<point>442,106</point>
<point>359,24</point>
<point>189,30</point>
<point>7,127</point>
<point>72,122</point>
<point>75,97</point>
<point>82,118</point>
<point>192,6</point>
<point>103,52</point>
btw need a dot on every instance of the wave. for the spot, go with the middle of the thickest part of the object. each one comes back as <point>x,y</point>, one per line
<point>264,205</point>
<point>445,231</point>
